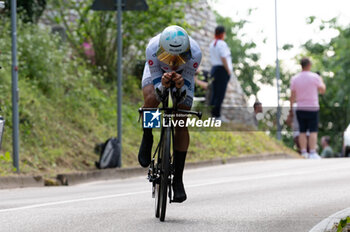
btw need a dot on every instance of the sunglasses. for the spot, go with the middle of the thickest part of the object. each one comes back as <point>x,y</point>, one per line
<point>173,60</point>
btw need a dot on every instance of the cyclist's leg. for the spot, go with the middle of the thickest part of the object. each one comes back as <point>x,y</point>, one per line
<point>150,101</point>
<point>182,140</point>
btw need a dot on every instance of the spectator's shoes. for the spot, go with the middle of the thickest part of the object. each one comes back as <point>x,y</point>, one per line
<point>145,151</point>
<point>305,155</point>
<point>314,156</point>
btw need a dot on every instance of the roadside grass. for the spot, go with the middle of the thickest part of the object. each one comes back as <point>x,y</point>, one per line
<point>59,134</point>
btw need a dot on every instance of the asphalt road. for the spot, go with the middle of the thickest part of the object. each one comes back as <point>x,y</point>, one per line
<point>279,195</point>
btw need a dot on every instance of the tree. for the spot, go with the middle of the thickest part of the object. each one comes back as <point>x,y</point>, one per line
<point>245,61</point>
<point>332,60</point>
<point>99,28</point>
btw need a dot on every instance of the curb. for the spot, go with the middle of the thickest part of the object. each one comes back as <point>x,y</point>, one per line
<point>123,173</point>
<point>108,174</point>
<point>21,181</point>
<point>328,223</point>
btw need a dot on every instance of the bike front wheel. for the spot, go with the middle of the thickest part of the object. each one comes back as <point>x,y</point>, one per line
<point>157,200</point>
<point>165,170</point>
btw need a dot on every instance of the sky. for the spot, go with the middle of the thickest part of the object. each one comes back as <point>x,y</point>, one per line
<point>292,28</point>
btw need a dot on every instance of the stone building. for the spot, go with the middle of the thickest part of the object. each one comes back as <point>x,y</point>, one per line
<point>203,22</point>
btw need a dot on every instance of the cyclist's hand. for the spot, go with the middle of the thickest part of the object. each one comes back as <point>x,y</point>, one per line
<point>166,80</point>
<point>178,80</point>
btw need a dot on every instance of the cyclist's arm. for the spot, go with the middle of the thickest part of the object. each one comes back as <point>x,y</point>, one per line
<point>155,70</point>
<point>189,72</point>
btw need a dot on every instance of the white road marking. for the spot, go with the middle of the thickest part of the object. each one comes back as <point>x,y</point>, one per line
<point>220,181</point>
<point>72,201</point>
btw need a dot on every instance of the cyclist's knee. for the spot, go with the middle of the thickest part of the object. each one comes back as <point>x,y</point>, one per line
<point>179,129</point>
<point>183,130</point>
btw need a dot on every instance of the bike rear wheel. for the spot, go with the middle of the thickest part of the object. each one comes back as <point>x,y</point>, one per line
<point>165,170</point>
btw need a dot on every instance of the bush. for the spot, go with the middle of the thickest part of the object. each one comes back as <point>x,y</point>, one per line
<point>41,56</point>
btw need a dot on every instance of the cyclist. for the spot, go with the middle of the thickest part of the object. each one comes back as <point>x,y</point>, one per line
<point>172,56</point>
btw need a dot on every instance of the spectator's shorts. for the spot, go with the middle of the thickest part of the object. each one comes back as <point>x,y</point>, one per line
<point>308,121</point>
<point>347,151</point>
<point>148,80</point>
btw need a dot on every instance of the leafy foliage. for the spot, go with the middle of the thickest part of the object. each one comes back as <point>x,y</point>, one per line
<point>342,225</point>
<point>58,103</point>
<point>28,10</point>
<point>83,24</point>
<point>245,61</point>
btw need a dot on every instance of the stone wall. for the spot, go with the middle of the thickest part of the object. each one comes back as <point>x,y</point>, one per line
<point>202,19</point>
<point>235,107</point>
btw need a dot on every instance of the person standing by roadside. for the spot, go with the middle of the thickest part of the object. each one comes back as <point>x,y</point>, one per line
<point>327,151</point>
<point>305,87</point>
<point>220,57</point>
<point>257,110</point>
<point>346,142</point>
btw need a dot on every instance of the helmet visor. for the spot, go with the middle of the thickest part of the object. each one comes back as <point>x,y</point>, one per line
<point>173,60</point>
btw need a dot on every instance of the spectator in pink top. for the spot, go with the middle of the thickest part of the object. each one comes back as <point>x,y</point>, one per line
<point>305,88</point>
